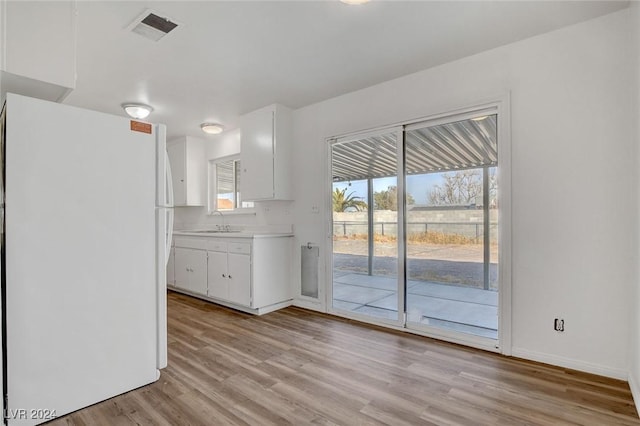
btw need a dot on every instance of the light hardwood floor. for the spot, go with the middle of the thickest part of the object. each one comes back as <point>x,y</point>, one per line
<point>299,367</point>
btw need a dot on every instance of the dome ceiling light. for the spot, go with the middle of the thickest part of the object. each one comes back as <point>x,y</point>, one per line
<point>212,128</point>
<point>137,111</point>
<point>354,2</point>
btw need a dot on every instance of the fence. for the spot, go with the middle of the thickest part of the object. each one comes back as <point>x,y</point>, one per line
<point>453,221</point>
<point>466,229</point>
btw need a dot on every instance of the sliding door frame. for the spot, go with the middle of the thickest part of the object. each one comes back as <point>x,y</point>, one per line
<point>439,332</point>
<point>400,319</point>
<point>499,105</point>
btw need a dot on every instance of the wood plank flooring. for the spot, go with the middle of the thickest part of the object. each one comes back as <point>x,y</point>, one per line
<point>298,367</point>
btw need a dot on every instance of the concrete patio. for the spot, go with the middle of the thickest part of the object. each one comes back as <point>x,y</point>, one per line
<point>464,309</point>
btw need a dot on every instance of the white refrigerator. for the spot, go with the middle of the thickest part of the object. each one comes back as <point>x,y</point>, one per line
<point>86,233</point>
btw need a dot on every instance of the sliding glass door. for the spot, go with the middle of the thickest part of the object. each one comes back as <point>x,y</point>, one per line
<point>366,226</point>
<point>415,227</point>
<point>452,233</point>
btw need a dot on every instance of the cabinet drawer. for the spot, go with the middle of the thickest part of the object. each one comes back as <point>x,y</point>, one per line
<point>242,248</point>
<point>216,245</point>
<point>194,243</point>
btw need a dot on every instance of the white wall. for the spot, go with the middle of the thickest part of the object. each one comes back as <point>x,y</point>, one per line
<point>573,145</point>
<point>634,365</point>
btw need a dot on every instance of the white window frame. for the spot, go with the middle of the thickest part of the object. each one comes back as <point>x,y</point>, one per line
<point>212,198</point>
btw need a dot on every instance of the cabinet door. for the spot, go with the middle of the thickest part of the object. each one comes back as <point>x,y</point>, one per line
<point>198,271</point>
<point>196,172</point>
<point>257,155</point>
<point>239,267</point>
<point>191,270</point>
<point>181,267</point>
<point>177,160</point>
<point>218,282</point>
<point>171,278</point>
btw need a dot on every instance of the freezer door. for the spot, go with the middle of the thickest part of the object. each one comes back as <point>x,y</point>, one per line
<point>81,289</point>
<point>164,188</point>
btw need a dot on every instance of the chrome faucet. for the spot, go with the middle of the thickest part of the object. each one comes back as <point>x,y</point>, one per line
<point>220,227</point>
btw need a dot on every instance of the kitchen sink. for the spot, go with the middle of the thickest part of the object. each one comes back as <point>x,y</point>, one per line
<point>214,231</point>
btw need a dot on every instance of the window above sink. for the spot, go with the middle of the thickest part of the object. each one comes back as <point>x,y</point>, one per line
<point>224,187</point>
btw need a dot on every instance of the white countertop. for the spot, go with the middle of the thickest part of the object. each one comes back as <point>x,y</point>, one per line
<point>232,234</point>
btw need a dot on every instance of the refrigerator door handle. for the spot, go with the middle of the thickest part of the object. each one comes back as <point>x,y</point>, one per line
<point>170,236</point>
<point>169,178</point>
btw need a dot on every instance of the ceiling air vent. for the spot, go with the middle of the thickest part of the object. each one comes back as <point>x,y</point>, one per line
<point>152,25</point>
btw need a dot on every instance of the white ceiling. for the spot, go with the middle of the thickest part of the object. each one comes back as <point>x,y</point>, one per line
<point>229,58</point>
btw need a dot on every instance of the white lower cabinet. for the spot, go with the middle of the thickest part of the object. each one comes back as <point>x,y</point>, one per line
<point>230,273</point>
<point>239,278</point>
<point>251,274</point>
<point>191,270</point>
<point>218,281</point>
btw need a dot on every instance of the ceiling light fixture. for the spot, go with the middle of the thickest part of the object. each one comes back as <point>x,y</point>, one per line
<point>138,111</point>
<point>212,128</point>
<point>354,2</point>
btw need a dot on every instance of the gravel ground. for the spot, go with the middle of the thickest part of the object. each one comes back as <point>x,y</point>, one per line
<point>444,263</point>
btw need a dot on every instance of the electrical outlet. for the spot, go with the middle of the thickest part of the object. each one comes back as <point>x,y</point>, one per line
<point>315,209</point>
<point>558,324</point>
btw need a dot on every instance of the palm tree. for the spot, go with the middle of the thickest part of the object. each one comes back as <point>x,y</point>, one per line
<point>342,202</point>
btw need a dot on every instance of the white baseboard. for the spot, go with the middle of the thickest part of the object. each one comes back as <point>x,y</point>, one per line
<point>312,306</point>
<point>635,390</point>
<point>255,311</point>
<point>587,367</point>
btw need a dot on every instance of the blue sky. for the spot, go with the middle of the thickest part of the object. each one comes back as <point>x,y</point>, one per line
<point>418,186</point>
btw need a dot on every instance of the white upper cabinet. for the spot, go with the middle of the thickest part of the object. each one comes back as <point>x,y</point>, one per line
<point>265,154</point>
<point>189,175</point>
<point>38,41</point>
